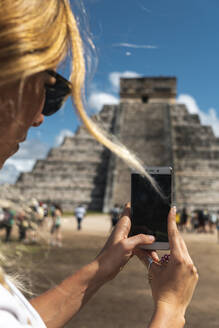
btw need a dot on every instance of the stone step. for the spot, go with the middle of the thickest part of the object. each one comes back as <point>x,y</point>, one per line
<point>66,172</point>
<point>69,175</point>
<point>75,152</point>
<point>84,142</point>
<point>82,174</point>
<point>79,165</point>
<point>190,182</point>
<point>100,123</point>
<point>179,109</point>
<point>73,158</point>
<point>185,152</point>
<point>70,142</point>
<point>83,147</point>
<point>68,203</point>
<point>65,188</point>
<point>70,193</point>
<point>188,120</point>
<point>84,134</point>
<point>199,199</point>
<point>205,165</point>
<point>193,141</point>
<point>64,180</point>
<point>198,131</point>
<point>54,181</point>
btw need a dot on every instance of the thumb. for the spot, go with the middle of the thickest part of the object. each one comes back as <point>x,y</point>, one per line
<point>138,240</point>
<point>123,226</point>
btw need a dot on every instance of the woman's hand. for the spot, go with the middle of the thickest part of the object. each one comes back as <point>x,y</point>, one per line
<point>119,248</point>
<point>173,283</point>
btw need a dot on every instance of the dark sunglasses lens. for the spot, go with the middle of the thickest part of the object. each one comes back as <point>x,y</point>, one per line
<point>56,94</point>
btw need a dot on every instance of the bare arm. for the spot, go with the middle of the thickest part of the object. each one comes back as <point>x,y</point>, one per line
<point>164,316</point>
<point>57,306</point>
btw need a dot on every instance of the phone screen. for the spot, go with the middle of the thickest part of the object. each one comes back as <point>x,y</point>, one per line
<point>149,210</point>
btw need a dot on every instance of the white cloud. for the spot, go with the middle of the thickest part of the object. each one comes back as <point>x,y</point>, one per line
<point>189,102</point>
<point>31,149</point>
<point>60,138</point>
<point>9,174</point>
<point>23,160</point>
<point>98,99</point>
<point>207,118</point>
<point>211,118</point>
<point>114,78</point>
<point>135,46</point>
<point>22,165</point>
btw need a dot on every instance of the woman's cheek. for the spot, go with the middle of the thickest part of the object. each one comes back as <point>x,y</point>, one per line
<point>39,116</point>
<point>35,98</point>
<point>35,107</point>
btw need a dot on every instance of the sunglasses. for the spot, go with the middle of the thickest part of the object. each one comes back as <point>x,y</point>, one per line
<point>56,94</point>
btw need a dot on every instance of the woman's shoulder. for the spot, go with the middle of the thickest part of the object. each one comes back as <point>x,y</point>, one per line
<point>9,307</point>
<point>13,305</point>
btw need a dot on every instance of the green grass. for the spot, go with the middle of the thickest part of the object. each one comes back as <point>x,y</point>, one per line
<point>71,214</point>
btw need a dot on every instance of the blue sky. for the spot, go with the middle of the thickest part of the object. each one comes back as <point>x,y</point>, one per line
<point>138,37</point>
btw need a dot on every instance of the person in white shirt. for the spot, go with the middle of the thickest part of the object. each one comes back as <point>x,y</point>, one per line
<point>80,212</point>
<point>35,37</point>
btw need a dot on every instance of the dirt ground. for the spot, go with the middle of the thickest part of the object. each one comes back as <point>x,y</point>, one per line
<point>126,301</point>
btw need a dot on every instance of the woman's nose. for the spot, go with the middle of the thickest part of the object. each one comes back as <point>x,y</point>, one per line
<point>38,121</point>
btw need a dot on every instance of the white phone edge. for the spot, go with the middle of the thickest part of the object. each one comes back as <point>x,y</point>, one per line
<point>157,170</point>
<point>156,246</point>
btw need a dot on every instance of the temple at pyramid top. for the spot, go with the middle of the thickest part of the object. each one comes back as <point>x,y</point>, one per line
<point>148,89</point>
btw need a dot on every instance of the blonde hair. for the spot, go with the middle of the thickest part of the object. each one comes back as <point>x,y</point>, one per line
<point>37,35</point>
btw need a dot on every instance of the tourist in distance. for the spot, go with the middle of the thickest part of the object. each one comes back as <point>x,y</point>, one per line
<point>56,235</point>
<point>35,36</point>
<point>7,222</point>
<point>80,212</point>
<point>184,219</point>
<point>115,212</point>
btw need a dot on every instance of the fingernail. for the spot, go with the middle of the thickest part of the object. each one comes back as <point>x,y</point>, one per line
<point>174,209</point>
<point>151,238</point>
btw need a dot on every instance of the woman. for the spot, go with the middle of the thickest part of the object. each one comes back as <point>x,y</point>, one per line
<point>56,227</point>
<point>35,36</point>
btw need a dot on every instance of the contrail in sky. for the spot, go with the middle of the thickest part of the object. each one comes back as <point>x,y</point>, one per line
<point>135,46</point>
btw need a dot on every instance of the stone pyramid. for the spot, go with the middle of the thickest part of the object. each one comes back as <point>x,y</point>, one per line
<point>150,122</point>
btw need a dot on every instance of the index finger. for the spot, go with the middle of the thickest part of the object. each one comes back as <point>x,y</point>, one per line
<point>175,240</point>
<point>173,232</point>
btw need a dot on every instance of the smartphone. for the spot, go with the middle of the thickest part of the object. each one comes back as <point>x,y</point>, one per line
<point>150,206</point>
